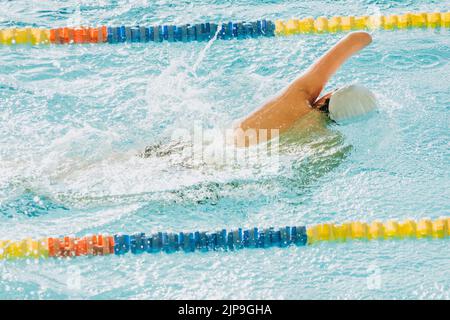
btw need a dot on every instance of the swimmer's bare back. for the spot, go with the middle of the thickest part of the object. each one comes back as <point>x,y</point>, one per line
<point>282,111</point>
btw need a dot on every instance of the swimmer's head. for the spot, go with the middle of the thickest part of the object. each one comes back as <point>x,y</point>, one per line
<point>347,102</point>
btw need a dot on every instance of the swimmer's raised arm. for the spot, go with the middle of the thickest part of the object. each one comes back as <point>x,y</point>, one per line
<point>314,79</point>
<point>282,111</point>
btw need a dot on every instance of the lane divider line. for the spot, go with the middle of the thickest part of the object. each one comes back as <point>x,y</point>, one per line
<point>225,31</point>
<point>222,240</point>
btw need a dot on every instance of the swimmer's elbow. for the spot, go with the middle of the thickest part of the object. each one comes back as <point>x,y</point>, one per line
<point>360,38</point>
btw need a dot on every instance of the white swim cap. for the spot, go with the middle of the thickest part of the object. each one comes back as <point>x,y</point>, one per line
<point>351,101</point>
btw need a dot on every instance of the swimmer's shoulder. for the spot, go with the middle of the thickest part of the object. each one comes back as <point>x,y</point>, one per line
<point>307,127</point>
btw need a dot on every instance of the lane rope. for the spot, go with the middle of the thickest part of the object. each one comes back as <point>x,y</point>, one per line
<point>227,31</point>
<point>223,240</point>
<point>348,23</point>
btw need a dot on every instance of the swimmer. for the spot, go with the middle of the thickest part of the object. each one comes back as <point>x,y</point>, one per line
<point>291,108</point>
<point>302,95</point>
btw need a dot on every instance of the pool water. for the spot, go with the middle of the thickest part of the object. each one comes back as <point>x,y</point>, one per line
<point>73,119</point>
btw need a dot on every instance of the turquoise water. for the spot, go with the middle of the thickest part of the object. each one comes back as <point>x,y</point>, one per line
<point>73,119</point>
